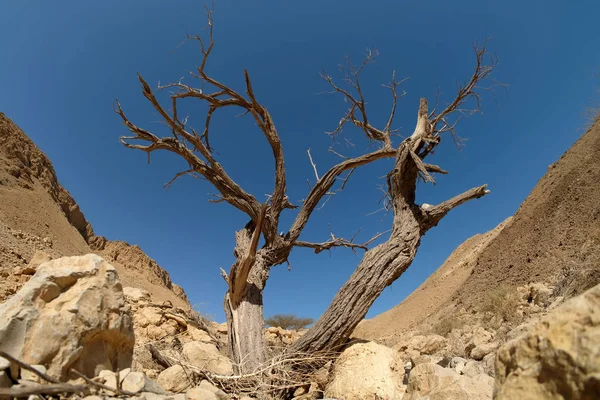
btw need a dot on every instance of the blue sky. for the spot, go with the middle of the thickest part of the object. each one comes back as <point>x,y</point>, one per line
<point>63,63</point>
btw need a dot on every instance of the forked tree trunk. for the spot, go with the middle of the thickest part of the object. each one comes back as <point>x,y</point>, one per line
<point>379,268</point>
<point>245,322</point>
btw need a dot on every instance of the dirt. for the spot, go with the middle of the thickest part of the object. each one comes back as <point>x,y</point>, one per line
<point>38,213</point>
<point>554,237</point>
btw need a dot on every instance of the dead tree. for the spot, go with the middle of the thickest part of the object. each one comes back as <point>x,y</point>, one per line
<point>380,266</point>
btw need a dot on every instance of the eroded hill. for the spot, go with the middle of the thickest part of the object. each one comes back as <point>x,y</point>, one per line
<point>38,213</point>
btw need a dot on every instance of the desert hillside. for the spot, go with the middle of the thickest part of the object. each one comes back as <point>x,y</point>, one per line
<point>38,213</point>
<point>555,234</point>
<point>553,238</point>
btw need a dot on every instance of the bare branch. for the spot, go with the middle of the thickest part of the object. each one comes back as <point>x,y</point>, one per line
<point>195,147</point>
<point>177,176</point>
<point>434,168</point>
<point>357,101</point>
<point>116,390</point>
<point>55,388</point>
<point>467,91</point>
<point>434,214</point>
<point>28,367</point>
<point>393,86</point>
<point>323,186</point>
<point>339,242</point>
<point>313,164</point>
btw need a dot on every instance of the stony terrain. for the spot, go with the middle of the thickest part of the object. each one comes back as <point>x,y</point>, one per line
<point>513,313</point>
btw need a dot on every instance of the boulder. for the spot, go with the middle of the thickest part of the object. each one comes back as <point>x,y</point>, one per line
<point>206,356</point>
<point>38,258</point>
<point>199,335</point>
<point>137,382</point>
<point>175,379</point>
<point>472,369</point>
<point>431,344</point>
<point>32,376</point>
<point>481,336</point>
<point>483,350</point>
<point>206,385</point>
<point>70,314</point>
<point>198,393</point>
<point>433,382</point>
<point>136,295</point>
<point>366,370</point>
<point>558,359</point>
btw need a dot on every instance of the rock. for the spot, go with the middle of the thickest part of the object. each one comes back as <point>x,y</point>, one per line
<point>199,335</point>
<point>489,363</point>
<point>558,359</point>
<point>302,390</point>
<point>175,379</point>
<point>154,396</point>
<point>151,315</point>
<point>521,330</point>
<point>200,394</point>
<point>38,258</point>
<point>5,381</point>
<point>92,398</point>
<point>432,344</point>
<point>457,364</point>
<point>206,385</point>
<point>10,368</point>
<point>366,370</point>
<point>4,364</point>
<point>151,373</point>
<point>179,396</point>
<point>220,328</point>
<point>482,350</point>
<point>540,294</point>
<point>110,380</point>
<point>136,295</point>
<point>31,376</point>
<point>414,361</point>
<point>472,369</point>
<point>484,379</point>
<point>455,361</point>
<point>481,336</point>
<point>433,382</point>
<point>70,314</point>
<point>137,382</point>
<point>456,344</point>
<point>207,357</point>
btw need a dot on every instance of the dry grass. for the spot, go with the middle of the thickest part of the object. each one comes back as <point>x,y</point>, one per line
<point>278,378</point>
<point>445,325</point>
<point>501,303</point>
<point>574,280</point>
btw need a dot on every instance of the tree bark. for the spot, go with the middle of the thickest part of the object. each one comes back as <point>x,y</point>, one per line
<point>379,268</point>
<point>245,330</point>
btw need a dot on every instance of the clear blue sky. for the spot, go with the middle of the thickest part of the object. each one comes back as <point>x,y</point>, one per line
<point>63,63</point>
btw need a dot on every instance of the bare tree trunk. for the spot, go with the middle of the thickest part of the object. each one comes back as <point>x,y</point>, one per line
<point>245,330</point>
<point>379,268</point>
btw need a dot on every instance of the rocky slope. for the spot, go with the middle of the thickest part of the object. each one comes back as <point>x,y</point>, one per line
<point>38,213</point>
